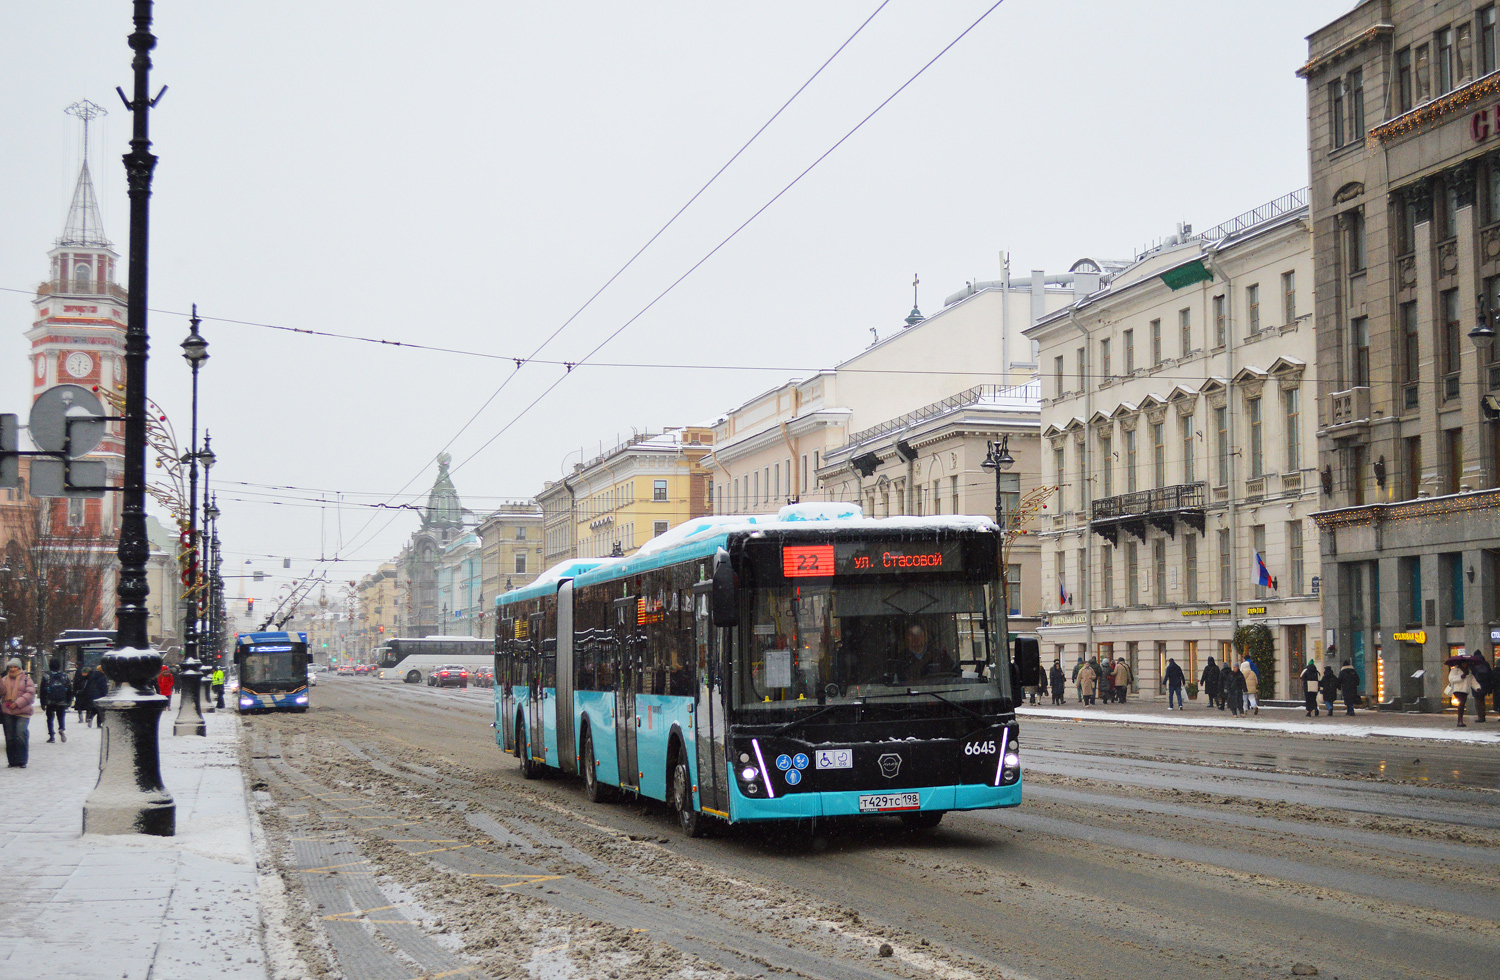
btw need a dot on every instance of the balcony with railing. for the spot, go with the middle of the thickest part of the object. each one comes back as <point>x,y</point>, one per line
<point>1163,508</point>
<point>82,287</point>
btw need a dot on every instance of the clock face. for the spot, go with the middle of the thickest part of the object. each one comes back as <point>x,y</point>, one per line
<point>79,364</point>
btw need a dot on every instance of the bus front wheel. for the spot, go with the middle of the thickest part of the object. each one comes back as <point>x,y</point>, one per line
<point>922,820</point>
<point>413,677</point>
<point>688,819</point>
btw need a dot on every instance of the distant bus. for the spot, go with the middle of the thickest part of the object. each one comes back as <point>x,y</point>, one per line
<point>272,670</point>
<point>411,659</point>
<point>82,648</point>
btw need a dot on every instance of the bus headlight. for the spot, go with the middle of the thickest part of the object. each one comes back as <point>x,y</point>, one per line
<point>1012,760</point>
<point>302,699</point>
<point>748,774</point>
<point>246,702</point>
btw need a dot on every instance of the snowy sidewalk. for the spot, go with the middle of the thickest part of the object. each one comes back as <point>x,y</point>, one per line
<point>1364,724</point>
<point>129,907</point>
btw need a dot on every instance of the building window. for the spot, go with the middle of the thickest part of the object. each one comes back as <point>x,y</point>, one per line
<point>1449,341</point>
<point>658,528</point>
<point>1224,564</point>
<point>1221,321</point>
<point>1294,555</point>
<point>1455,460</point>
<point>1060,466</point>
<point>1453,581</point>
<point>1449,198</point>
<point>1291,400</point>
<point>1444,41</point>
<point>1129,352</point>
<point>1130,461</point>
<point>1289,296</point>
<point>1081,594</point>
<point>1252,308</point>
<point>1189,469</point>
<point>1156,342</point>
<point>1258,542</point>
<point>1422,72</point>
<point>1257,444</point>
<point>1062,578</point>
<point>1412,448</point>
<point>1410,571</point>
<point>1082,360</point>
<point>1104,362</point>
<point>1159,453</point>
<point>1403,81</point>
<point>1354,241</point>
<point>1487,61</point>
<point>1107,464</point>
<point>953,484</point>
<point>1057,374</point>
<point>1013,588</point>
<point>75,511</point>
<point>521,533</point>
<point>1132,580</point>
<point>1411,356</point>
<point>1159,555</point>
<point>1357,104</point>
<point>1190,566</point>
<point>1185,331</point>
<point>1010,497</point>
<point>520,563</point>
<point>1083,484</point>
<point>1221,429</point>
<point>1355,476</point>
<point>1359,333</point>
<point>1336,112</point>
<point>1107,576</point>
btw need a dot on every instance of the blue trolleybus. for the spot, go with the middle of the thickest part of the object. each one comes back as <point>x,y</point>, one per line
<point>804,665</point>
<point>272,670</point>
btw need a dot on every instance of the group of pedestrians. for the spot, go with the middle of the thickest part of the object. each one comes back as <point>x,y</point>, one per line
<point>1330,686</point>
<point>1225,686</point>
<point>1096,681</point>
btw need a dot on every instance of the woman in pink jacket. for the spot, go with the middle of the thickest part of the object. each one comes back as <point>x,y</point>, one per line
<point>17,695</point>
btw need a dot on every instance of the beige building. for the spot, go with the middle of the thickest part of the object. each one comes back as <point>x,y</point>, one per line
<point>375,609</point>
<point>624,497</point>
<point>766,453</point>
<point>1176,424</point>
<point>510,544</point>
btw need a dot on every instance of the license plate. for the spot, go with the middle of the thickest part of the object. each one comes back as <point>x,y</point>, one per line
<point>888,802</point>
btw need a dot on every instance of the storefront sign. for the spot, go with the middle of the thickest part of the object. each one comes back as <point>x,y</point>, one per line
<point>1495,636</point>
<point>1068,619</point>
<point>1317,584</point>
<point>1256,611</point>
<point>1420,636</point>
<point>1484,123</point>
<point>1207,612</point>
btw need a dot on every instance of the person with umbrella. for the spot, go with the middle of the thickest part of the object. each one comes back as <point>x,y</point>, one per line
<point>1485,678</point>
<point>1461,683</point>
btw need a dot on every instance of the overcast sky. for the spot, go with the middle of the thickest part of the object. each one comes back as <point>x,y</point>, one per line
<point>466,174</point>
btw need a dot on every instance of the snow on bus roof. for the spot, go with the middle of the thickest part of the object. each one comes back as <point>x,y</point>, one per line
<point>549,580</point>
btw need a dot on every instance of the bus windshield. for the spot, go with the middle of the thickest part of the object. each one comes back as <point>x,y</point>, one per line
<point>833,643</point>
<point>259,668</point>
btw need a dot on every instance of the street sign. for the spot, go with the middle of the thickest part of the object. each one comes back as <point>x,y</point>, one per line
<point>87,476</point>
<point>53,409</point>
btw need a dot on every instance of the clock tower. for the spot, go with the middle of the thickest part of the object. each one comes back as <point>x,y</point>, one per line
<point>78,337</point>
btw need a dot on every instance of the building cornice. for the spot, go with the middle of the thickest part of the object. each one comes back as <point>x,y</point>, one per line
<point>1369,35</point>
<point>1433,112</point>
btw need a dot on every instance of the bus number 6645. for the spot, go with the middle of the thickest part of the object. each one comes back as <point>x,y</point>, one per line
<point>980,748</point>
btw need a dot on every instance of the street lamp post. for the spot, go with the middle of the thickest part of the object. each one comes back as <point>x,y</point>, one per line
<point>998,458</point>
<point>129,797</point>
<point>195,352</point>
<point>207,458</point>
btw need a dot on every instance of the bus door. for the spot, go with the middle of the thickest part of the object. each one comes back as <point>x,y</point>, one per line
<point>708,714</point>
<point>505,694</point>
<point>567,753</point>
<point>537,679</point>
<point>628,679</point>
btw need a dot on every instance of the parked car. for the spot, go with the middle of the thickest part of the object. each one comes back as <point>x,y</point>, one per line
<point>449,675</point>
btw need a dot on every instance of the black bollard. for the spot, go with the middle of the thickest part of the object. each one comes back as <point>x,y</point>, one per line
<point>129,797</point>
<point>189,711</point>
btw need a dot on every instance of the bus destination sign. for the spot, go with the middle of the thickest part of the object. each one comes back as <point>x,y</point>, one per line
<point>869,558</point>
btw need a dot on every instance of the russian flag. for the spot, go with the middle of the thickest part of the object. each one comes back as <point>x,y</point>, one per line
<point>1262,573</point>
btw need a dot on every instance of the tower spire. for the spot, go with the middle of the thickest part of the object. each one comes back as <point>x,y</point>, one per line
<point>84,228</point>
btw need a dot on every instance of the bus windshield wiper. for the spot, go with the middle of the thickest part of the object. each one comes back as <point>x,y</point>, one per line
<point>804,720</point>
<point>913,692</point>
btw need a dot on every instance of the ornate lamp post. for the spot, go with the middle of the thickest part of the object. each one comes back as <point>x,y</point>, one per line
<point>998,458</point>
<point>1483,333</point>
<point>195,352</point>
<point>129,797</point>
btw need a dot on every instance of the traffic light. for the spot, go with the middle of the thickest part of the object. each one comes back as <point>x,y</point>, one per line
<point>249,607</point>
<point>325,646</point>
<point>380,629</point>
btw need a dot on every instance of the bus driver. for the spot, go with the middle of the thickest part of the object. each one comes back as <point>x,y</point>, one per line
<point>918,659</point>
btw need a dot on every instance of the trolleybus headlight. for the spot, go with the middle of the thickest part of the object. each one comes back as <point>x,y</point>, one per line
<point>302,699</point>
<point>748,773</point>
<point>246,702</point>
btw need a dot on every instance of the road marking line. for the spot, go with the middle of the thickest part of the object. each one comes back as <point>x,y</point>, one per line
<point>345,916</point>
<point>331,867</point>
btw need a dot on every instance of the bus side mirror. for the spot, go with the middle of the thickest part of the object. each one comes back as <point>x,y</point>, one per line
<point>309,659</point>
<point>1028,661</point>
<point>726,605</point>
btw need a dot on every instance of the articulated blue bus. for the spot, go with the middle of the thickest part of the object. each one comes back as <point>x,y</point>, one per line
<point>805,665</point>
<point>272,669</point>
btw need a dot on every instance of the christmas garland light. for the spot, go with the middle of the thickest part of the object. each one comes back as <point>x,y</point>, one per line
<point>1407,510</point>
<point>1410,122</point>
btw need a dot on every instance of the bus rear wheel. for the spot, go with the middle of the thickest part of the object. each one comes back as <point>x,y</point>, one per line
<point>413,677</point>
<point>529,768</point>
<point>689,820</point>
<point>593,790</point>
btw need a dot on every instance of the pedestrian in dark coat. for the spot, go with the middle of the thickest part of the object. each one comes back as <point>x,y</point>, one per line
<point>1485,679</point>
<point>98,688</point>
<point>1310,689</point>
<point>56,694</point>
<point>1175,683</point>
<point>1059,682</point>
<point>1328,686</point>
<point>1076,682</point>
<point>1232,690</point>
<point>1211,684</point>
<point>80,681</point>
<point>1349,686</point>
